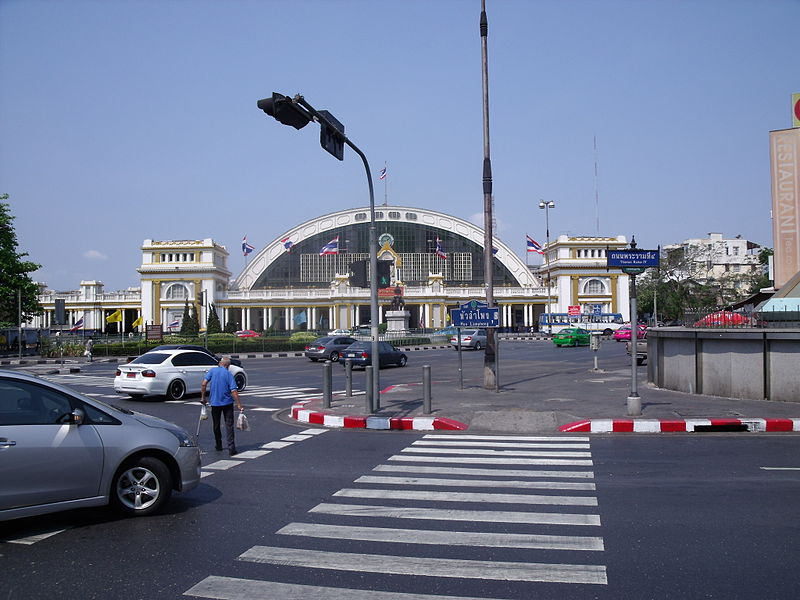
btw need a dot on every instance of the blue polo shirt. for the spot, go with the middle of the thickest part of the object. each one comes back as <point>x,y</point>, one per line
<point>222,384</point>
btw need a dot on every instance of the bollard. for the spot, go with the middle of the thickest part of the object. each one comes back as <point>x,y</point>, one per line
<point>426,389</point>
<point>327,384</point>
<point>348,378</point>
<point>368,375</point>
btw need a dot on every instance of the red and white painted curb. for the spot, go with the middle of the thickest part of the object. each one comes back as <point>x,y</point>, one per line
<point>305,415</point>
<point>671,425</point>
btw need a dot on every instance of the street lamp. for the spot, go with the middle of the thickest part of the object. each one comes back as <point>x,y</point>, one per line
<point>297,113</point>
<point>547,206</point>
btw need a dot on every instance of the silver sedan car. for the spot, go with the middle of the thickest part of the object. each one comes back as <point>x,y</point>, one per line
<point>470,338</point>
<point>60,450</point>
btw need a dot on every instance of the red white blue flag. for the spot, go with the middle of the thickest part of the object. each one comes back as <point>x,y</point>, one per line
<point>382,174</point>
<point>175,323</point>
<point>331,247</point>
<point>78,325</point>
<point>533,245</point>
<point>246,248</point>
<point>439,251</point>
<point>287,244</point>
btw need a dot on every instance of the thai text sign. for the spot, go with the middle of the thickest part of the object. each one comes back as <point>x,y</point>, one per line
<point>475,314</point>
<point>632,258</point>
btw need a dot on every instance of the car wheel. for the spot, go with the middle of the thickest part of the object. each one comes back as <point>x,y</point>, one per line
<point>334,356</point>
<point>478,346</point>
<point>142,486</point>
<point>241,381</point>
<point>402,362</point>
<point>176,389</point>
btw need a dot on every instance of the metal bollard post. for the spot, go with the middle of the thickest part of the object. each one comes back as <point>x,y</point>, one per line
<point>327,384</point>
<point>426,389</point>
<point>348,378</point>
<point>368,374</point>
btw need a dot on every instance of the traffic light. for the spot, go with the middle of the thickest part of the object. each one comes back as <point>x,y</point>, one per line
<point>60,312</point>
<point>384,273</point>
<point>201,297</point>
<point>284,110</point>
<point>358,274</point>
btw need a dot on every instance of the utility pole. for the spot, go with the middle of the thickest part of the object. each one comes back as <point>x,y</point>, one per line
<point>490,355</point>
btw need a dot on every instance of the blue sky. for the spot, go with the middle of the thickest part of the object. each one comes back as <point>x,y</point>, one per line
<point>127,120</point>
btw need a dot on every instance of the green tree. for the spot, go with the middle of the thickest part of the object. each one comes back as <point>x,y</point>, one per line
<point>15,279</point>
<point>194,326</point>
<point>213,324</point>
<point>231,326</point>
<point>186,320</point>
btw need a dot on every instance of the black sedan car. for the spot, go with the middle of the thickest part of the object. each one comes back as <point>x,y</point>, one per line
<point>360,355</point>
<point>328,347</point>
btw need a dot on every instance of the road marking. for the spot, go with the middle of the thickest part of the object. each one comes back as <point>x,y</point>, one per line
<point>438,514</point>
<point>467,497</point>
<point>543,485</point>
<point>496,461</point>
<point>32,539</point>
<point>277,445</point>
<point>474,452</point>
<point>247,454</point>
<point>781,468</point>
<point>484,472</point>
<point>233,588</point>
<point>445,538</point>
<point>222,465</point>
<point>295,438</point>
<point>314,431</point>
<point>505,438</point>
<point>261,408</point>
<point>427,567</point>
<point>437,443</point>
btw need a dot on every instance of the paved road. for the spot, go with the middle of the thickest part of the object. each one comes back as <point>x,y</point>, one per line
<point>309,513</point>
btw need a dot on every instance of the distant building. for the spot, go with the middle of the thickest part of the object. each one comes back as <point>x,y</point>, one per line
<point>713,258</point>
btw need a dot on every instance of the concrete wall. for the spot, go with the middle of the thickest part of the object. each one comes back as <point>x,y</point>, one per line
<point>755,364</point>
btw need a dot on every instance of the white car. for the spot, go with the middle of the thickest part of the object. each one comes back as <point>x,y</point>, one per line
<point>170,373</point>
<point>340,332</point>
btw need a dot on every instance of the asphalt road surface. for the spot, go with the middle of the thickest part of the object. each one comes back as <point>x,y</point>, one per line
<point>307,513</point>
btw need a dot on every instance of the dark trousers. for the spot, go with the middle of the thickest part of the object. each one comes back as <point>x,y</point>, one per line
<point>227,413</point>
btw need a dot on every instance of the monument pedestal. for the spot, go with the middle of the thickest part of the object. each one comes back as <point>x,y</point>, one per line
<point>397,320</point>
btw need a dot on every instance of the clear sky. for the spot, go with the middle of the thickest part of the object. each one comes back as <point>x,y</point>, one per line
<point>127,120</point>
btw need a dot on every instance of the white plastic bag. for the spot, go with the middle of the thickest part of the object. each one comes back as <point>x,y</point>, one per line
<point>203,413</point>
<point>241,422</point>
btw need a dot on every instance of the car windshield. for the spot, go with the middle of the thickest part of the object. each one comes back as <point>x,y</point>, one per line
<point>151,358</point>
<point>360,346</point>
<point>322,341</point>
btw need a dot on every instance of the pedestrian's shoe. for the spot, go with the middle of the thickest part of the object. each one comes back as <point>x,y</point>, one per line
<point>218,447</point>
<point>232,452</point>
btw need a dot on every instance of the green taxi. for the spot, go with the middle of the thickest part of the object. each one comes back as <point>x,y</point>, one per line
<point>572,336</point>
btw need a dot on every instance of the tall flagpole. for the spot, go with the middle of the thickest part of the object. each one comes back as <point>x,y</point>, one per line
<point>385,183</point>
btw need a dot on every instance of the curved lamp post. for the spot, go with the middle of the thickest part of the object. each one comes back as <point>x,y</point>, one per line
<point>547,206</point>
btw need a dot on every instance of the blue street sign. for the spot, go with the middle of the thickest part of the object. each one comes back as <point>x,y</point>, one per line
<point>475,314</point>
<point>632,258</point>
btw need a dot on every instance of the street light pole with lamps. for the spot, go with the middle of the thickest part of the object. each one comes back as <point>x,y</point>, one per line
<point>547,206</point>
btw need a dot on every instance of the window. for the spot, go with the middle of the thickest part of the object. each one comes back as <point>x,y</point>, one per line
<point>594,287</point>
<point>411,216</point>
<point>189,359</point>
<point>23,403</point>
<point>176,291</point>
<point>394,214</point>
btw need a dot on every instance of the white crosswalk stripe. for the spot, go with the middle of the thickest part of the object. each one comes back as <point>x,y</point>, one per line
<point>427,482</point>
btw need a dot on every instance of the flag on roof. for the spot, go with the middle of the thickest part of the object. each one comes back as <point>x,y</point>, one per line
<point>533,245</point>
<point>287,243</point>
<point>439,252</point>
<point>331,247</point>
<point>382,174</point>
<point>78,325</point>
<point>246,248</point>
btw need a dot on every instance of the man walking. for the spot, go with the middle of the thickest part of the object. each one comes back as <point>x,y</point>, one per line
<point>222,393</point>
<point>89,348</point>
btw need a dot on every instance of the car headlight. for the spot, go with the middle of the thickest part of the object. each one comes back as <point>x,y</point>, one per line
<point>184,439</point>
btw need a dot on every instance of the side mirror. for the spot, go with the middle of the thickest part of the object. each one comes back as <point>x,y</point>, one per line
<point>76,417</point>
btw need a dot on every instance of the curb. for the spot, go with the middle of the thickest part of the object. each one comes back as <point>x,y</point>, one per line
<point>304,415</point>
<point>680,425</point>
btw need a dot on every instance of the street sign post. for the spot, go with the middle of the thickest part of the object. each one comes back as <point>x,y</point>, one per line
<point>632,258</point>
<point>475,314</point>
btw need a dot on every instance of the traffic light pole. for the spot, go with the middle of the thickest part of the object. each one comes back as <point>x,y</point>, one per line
<point>373,250</point>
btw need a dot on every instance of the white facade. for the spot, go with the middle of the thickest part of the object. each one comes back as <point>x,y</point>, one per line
<point>716,257</point>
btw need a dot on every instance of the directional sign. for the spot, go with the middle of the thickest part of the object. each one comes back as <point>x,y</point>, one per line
<point>475,314</point>
<point>632,258</point>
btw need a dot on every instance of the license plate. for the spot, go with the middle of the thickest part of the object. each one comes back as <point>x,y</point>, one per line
<point>131,374</point>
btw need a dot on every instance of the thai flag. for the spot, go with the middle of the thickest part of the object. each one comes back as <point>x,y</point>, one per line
<point>331,247</point>
<point>287,243</point>
<point>175,323</point>
<point>78,325</point>
<point>246,248</point>
<point>439,252</point>
<point>533,245</point>
<point>382,174</point>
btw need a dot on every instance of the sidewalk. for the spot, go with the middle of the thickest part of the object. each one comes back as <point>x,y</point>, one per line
<point>574,399</point>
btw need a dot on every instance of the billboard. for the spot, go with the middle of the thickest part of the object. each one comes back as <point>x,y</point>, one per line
<point>784,148</point>
<point>795,110</point>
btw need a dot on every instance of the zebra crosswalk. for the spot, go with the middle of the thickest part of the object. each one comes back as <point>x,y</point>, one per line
<point>457,496</point>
